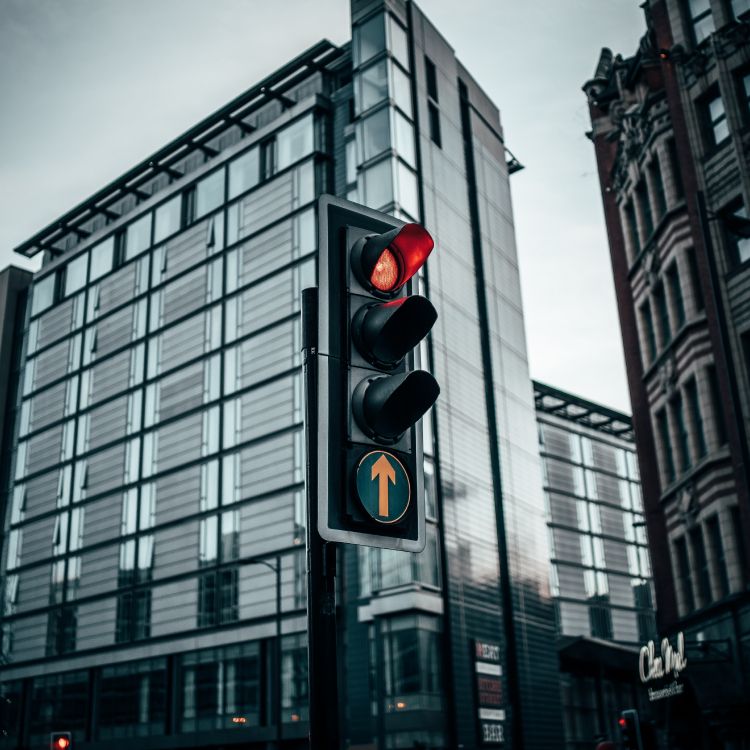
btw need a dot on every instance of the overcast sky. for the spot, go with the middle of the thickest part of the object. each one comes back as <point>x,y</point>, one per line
<point>90,87</point>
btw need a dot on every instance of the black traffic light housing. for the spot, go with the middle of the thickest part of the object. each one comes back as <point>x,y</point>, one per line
<point>371,390</point>
<point>630,731</point>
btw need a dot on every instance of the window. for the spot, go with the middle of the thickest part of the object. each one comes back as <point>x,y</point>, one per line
<point>209,193</point>
<point>648,328</point>
<point>75,274</point>
<point>716,406</point>
<point>666,444</point>
<point>294,142</point>
<point>167,221</point>
<point>408,191</point>
<point>102,258</point>
<point>695,280</point>
<point>701,19</point>
<point>683,574</point>
<point>647,218</point>
<point>351,161</point>
<point>378,185</point>
<point>430,73</point>
<point>674,167</point>
<point>701,565</point>
<point>717,554</point>
<point>401,89</point>
<point>267,159</point>
<point>632,228</point>
<point>138,234</point>
<point>244,172</point>
<point>372,86</point>
<point>740,7</point>
<point>133,699</point>
<point>738,244</point>
<point>375,134</point>
<point>44,294</point>
<point>404,138</point>
<point>683,444</point>
<point>397,41</point>
<point>434,117</point>
<point>657,188</point>
<point>691,389</point>
<point>369,39</point>
<point>718,126</point>
<point>673,280</point>
<point>662,311</point>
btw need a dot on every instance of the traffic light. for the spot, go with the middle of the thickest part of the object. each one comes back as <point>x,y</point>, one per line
<point>61,741</point>
<point>630,730</point>
<point>372,392</point>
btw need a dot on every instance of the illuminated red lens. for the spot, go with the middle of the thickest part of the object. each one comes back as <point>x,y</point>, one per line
<point>385,274</point>
<point>623,723</point>
<point>413,244</point>
<point>63,742</point>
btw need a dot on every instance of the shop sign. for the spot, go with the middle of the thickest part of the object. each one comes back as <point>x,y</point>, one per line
<point>489,693</point>
<point>668,663</point>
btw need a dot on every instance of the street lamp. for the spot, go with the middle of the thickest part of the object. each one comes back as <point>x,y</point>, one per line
<point>276,568</point>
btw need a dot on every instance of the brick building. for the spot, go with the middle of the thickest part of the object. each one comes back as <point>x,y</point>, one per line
<point>670,130</point>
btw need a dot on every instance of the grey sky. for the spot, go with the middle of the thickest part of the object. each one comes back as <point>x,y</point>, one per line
<point>89,87</point>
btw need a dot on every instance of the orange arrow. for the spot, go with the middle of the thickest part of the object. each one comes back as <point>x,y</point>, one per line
<point>383,470</point>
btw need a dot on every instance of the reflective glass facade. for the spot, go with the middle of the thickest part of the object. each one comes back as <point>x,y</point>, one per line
<point>154,553</point>
<point>601,570</point>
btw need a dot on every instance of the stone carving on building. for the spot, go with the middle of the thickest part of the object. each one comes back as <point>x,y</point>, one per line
<point>668,376</point>
<point>687,503</point>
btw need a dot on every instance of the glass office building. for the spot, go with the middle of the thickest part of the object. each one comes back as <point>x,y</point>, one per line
<point>600,564</point>
<point>155,431</point>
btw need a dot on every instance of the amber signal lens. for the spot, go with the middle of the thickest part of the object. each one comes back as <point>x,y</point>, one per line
<point>385,273</point>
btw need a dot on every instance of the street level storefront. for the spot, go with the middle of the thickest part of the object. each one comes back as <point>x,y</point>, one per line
<point>694,681</point>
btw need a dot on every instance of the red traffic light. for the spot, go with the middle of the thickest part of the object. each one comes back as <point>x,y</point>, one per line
<point>61,741</point>
<point>622,722</point>
<point>385,262</point>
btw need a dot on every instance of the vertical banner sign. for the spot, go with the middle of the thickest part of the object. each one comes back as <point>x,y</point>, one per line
<point>489,693</point>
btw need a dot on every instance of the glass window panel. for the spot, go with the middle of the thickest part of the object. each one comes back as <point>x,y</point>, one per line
<point>408,195</point>
<point>375,134</point>
<point>401,89</point>
<point>351,161</point>
<point>168,218</point>
<point>138,234</point>
<point>369,39</point>
<point>739,8</point>
<point>398,42</point>
<point>209,193</point>
<point>102,258</point>
<point>404,137</point>
<point>718,116</point>
<point>372,86</point>
<point>44,294</point>
<point>294,142</point>
<point>244,172</point>
<point>378,185</point>
<point>75,274</point>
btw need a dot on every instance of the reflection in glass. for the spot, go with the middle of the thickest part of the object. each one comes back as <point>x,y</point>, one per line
<point>368,39</point>
<point>219,685</point>
<point>167,220</point>
<point>373,86</point>
<point>294,683</point>
<point>132,699</point>
<point>138,234</point>
<point>244,172</point>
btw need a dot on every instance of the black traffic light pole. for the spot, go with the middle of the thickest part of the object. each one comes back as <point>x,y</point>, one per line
<point>321,560</point>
